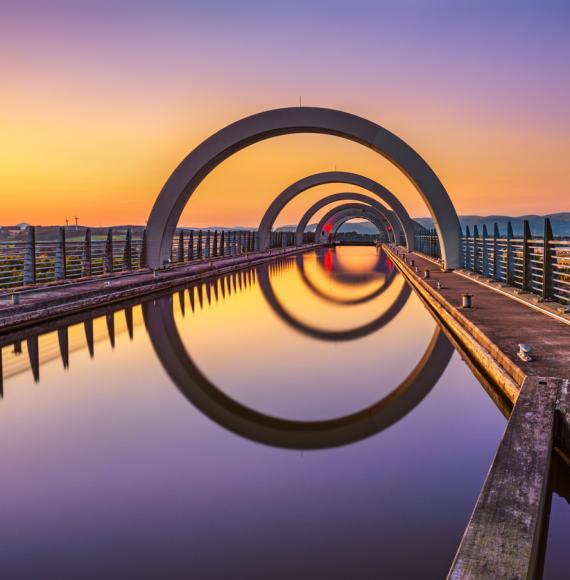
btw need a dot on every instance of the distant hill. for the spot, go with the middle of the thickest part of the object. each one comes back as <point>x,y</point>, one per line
<point>560,223</point>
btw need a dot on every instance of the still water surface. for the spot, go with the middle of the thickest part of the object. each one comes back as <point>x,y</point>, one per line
<point>183,450</point>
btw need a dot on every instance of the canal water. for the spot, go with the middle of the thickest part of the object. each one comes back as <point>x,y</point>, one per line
<point>305,419</point>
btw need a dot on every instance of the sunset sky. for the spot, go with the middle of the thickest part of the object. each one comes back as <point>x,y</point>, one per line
<point>100,100</point>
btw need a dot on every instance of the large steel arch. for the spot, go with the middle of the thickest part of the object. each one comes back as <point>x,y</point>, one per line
<point>266,224</point>
<point>231,139</point>
<point>388,215</point>
<point>336,216</point>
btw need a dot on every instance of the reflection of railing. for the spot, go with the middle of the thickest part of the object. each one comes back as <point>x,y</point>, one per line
<point>518,262</point>
<point>39,255</point>
<point>28,350</point>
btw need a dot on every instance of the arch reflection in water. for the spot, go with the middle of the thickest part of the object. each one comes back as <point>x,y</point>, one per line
<point>327,258</point>
<point>287,433</point>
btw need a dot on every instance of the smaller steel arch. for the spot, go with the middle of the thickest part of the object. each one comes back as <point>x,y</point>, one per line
<point>346,212</point>
<point>389,216</point>
<point>324,178</point>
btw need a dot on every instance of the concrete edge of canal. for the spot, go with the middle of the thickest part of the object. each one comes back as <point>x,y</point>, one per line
<point>504,536</point>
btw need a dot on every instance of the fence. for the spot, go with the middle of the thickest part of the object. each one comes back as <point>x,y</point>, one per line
<point>539,265</point>
<point>40,255</point>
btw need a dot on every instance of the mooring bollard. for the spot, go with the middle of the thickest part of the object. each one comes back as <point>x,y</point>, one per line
<point>466,301</point>
<point>439,286</point>
<point>524,352</point>
<point>426,273</point>
<point>416,269</point>
<point>412,262</point>
<point>15,298</point>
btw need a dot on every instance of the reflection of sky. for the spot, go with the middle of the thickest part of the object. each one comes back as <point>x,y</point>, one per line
<point>101,100</point>
<point>107,471</point>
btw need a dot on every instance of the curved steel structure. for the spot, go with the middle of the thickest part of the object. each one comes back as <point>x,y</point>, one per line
<point>231,139</point>
<point>388,215</point>
<point>286,433</point>
<point>405,222</point>
<point>336,216</point>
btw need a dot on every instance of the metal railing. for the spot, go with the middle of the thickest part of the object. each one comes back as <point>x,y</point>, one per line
<point>42,255</point>
<point>540,265</point>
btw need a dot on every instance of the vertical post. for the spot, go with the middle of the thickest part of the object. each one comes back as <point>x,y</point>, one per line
<point>207,245</point>
<point>86,264</point>
<point>128,253</point>
<point>199,246</point>
<point>215,245</point>
<point>475,249</point>
<point>60,261</point>
<point>467,248</point>
<point>191,246</point>
<point>254,241</point>
<point>108,257</point>
<point>142,257</point>
<point>181,254</point>
<point>509,253</point>
<point>485,257</point>
<point>547,261</point>
<point>30,257</point>
<point>495,251</point>
<point>526,271</point>
<point>223,244</point>
<point>228,248</point>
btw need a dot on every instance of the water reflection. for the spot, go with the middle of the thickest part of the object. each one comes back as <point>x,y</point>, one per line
<point>263,428</point>
<point>108,458</point>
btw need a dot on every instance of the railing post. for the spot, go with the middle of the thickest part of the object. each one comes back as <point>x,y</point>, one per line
<point>228,248</point>
<point>207,245</point>
<point>86,264</point>
<point>142,259</point>
<point>485,260</point>
<point>475,249</point>
<point>30,257</point>
<point>215,245</point>
<point>254,241</point>
<point>509,253</point>
<point>180,255</point>
<point>108,257</point>
<point>526,272</point>
<point>547,262</point>
<point>128,253</point>
<point>199,246</point>
<point>60,260</point>
<point>467,248</point>
<point>222,251</point>
<point>495,250</point>
<point>191,246</point>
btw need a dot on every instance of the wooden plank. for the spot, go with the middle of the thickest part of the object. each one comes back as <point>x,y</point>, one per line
<point>502,539</point>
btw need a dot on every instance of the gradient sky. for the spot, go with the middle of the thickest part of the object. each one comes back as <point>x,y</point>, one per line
<point>100,100</point>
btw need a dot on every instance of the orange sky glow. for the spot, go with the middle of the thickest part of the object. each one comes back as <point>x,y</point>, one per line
<point>96,112</point>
